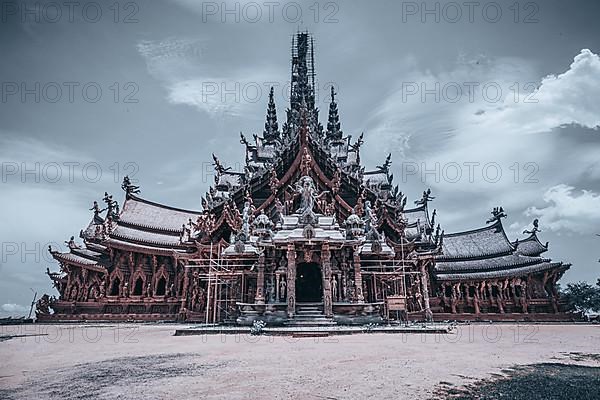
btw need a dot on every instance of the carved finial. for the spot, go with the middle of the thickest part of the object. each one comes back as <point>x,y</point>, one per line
<point>497,214</point>
<point>128,187</point>
<point>112,207</point>
<point>219,167</point>
<point>356,146</point>
<point>426,198</point>
<point>386,165</point>
<point>243,140</point>
<point>271,131</point>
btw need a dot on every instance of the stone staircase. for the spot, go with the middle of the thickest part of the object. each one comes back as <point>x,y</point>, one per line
<point>310,315</point>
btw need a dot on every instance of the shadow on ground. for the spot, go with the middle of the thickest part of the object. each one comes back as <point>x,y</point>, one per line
<point>531,382</point>
<point>106,379</point>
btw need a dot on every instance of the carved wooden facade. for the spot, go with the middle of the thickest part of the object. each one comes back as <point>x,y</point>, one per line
<point>303,227</point>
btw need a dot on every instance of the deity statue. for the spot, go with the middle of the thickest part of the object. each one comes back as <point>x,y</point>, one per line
<point>306,162</point>
<point>282,286</point>
<point>305,188</point>
<point>278,218</point>
<point>246,220</point>
<point>371,223</point>
<point>334,288</point>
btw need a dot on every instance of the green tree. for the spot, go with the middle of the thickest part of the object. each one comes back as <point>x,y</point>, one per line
<point>582,296</point>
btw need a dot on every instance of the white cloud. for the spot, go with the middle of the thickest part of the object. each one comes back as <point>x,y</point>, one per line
<point>568,98</point>
<point>11,309</point>
<point>567,210</point>
<point>192,80</point>
<point>510,132</point>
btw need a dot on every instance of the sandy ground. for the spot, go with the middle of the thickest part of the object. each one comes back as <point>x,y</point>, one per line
<point>148,362</point>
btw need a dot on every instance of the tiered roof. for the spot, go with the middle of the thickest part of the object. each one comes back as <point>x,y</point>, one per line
<point>486,253</point>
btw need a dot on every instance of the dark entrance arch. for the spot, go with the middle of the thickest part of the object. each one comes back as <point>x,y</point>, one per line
<point>116,286</point>
<point>139,286</point>
<point>309,284</point>
<point>161,286</point>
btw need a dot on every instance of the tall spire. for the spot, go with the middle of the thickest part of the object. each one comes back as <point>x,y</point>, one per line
<point>303,87</point>
<point>334,131</point>
<point>271,132</point>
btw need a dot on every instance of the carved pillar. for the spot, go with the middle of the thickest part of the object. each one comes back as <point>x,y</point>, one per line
<point>360,298</point>
<point>476,299</point>
<point>291,280</point>
<point>425,291</point>
<point>184,294</point>
<point>326,267</point>
<point>260,281</point>
<point>277,278</point>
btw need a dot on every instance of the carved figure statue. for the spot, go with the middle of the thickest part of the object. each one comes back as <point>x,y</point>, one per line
<point>282,286</point>
<point>246,220</point>
<point>334,288</point>
<point>97,218</point>
<point>279,211</point>
<point>71,243</point>
<point>305,187</point>
<point>535,228</point>
<point>371,223</point>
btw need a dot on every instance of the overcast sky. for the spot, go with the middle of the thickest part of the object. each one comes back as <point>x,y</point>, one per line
<point>490,104</point>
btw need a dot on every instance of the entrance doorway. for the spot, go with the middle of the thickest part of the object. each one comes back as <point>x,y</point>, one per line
<point>309,284</point>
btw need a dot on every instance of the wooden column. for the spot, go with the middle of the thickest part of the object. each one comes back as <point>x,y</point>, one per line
<point>425,290</point>
<point>186,285</point>
<point>358,284</point>
<point>326,268</point>
<point>291,280</point>
<point>259,298</point>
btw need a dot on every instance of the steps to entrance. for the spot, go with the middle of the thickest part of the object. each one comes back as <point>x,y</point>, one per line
<point>310,314</point>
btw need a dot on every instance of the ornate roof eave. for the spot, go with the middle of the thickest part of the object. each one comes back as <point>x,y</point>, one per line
<point>63,258</point>
<point>443,266</point>
<point>504,273</point>
<point>151,250</point>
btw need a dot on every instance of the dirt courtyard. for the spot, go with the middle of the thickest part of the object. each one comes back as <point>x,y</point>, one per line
<point>145,361</point>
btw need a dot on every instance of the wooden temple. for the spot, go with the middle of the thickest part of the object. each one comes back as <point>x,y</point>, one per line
<point>303,235</point>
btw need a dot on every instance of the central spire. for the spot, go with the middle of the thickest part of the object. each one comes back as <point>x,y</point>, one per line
<point>302,88</point>
<point>303,74</point>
